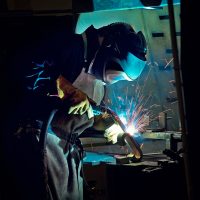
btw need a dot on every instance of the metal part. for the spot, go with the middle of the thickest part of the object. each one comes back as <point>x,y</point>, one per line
<point>161,135</point>
<point>127,139</point>
<point>122,139</point>
<point>170,139</point>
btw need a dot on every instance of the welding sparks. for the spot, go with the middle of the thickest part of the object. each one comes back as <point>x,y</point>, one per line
<point>168,62</point>
<point>131,109</point>
<point>132,112</point>
<point>131,129</point>
<point>138,106</point>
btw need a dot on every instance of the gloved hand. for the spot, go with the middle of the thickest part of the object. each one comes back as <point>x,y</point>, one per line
<point>103,121</point>
<point>107,123</point>
<point>77,99</point>
<point>112,133</point>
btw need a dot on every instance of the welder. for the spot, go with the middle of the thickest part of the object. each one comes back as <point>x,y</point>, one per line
<point>68,74</point>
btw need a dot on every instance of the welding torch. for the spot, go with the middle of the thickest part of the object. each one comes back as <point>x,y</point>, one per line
<point>112,121</point>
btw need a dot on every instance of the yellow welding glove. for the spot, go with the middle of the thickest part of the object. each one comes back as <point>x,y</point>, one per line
<point>105,122</point>
<point>111,133</point>
<point>77,99</point>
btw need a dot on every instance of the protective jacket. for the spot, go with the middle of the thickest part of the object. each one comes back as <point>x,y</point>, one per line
<point>44,60</point>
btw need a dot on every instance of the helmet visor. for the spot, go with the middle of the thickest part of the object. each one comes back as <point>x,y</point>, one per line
<point>132,65</point>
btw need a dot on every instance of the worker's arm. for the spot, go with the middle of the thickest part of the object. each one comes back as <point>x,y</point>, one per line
<point>77,100</point>
<point>114,132</point>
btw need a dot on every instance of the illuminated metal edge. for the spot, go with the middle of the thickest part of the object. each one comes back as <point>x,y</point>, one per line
<point>160,135</point>
<point>147,135</point>
<point>121,4</point>
<point>94,142</point>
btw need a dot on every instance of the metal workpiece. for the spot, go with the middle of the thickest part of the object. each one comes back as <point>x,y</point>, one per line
<point>161,135</point>
<point>164,140</point>
<point>151,143</point>
<point>127,139</point>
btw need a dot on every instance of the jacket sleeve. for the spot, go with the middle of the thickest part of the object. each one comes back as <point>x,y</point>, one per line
<point>63,124</point>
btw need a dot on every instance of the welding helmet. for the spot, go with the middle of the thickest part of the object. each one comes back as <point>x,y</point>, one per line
<point>132,66</point>
<point>122,50</point>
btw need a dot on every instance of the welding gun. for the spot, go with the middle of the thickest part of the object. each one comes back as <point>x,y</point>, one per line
<point>106,119</point>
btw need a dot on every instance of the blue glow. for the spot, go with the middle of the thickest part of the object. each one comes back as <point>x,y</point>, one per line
<point>130,128</point>
<point>38,74</point>
<point>123,119</point>
<point>132,66</point>
<point>131,113</point>
<point>123,4</point>
<point>97,158</point>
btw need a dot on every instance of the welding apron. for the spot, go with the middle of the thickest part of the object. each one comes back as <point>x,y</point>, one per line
<point>51,169</point>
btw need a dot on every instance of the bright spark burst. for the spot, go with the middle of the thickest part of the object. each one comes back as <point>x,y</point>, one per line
<point>139,110</point>
<point>131,111</point>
